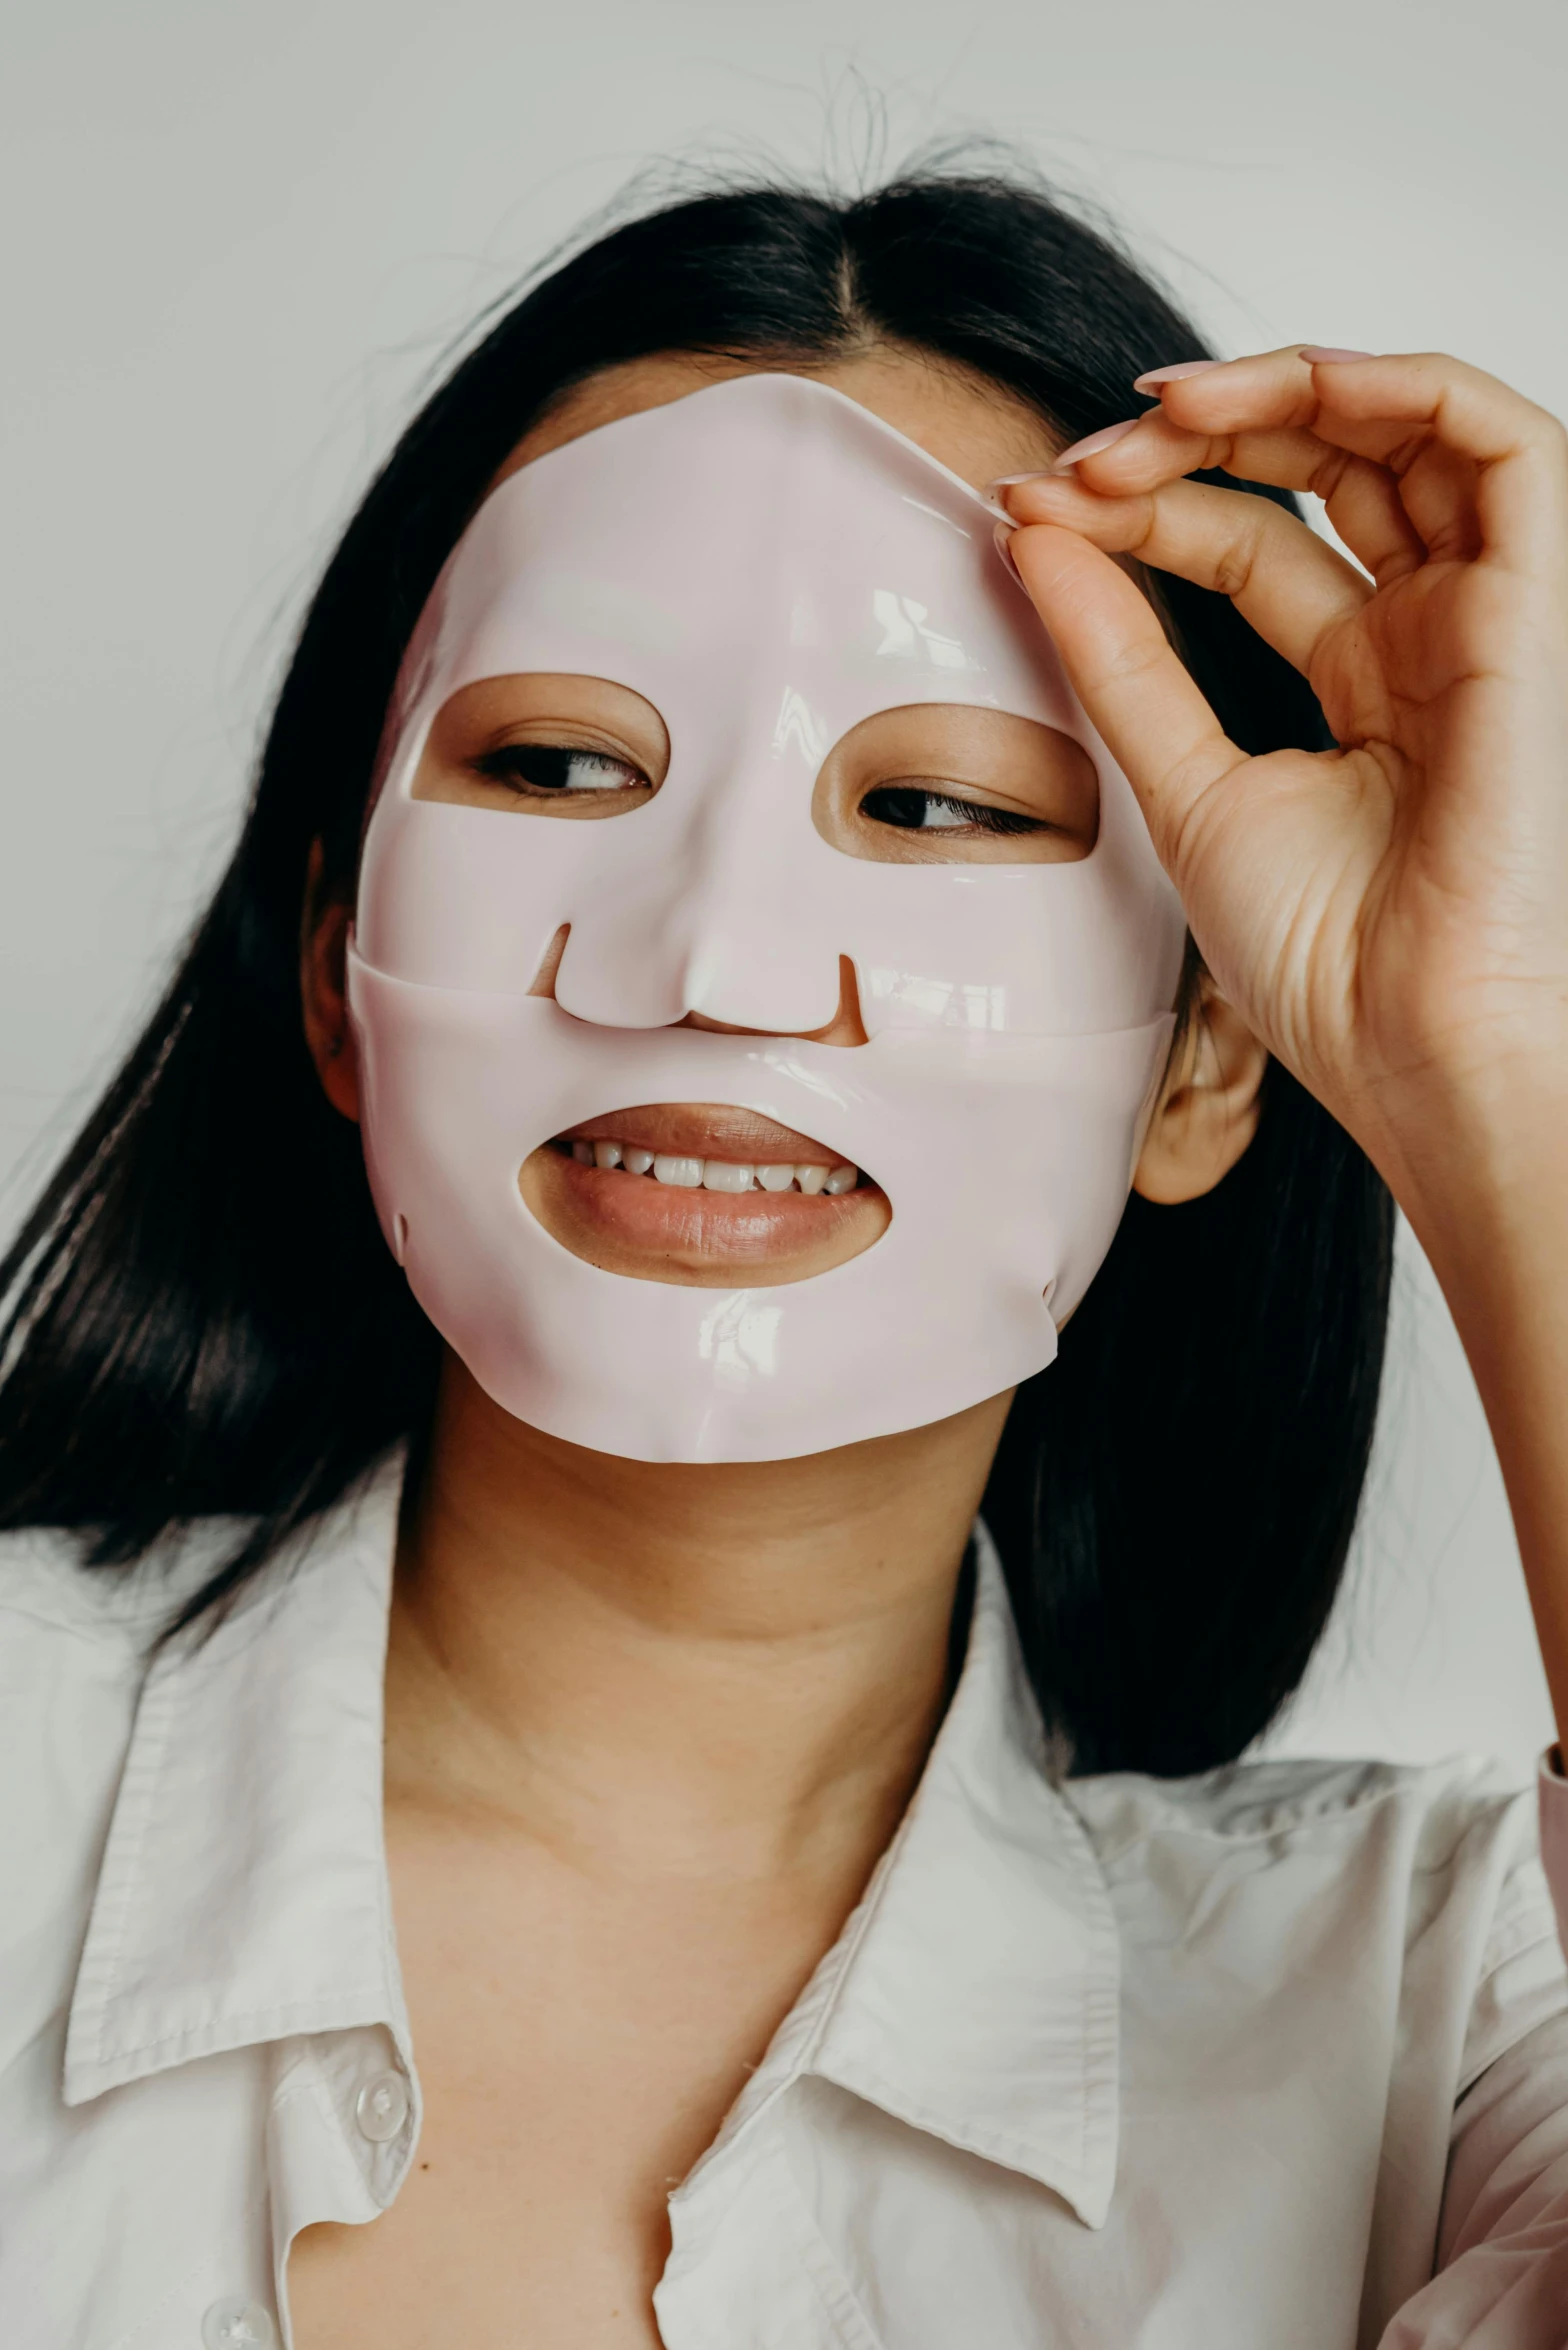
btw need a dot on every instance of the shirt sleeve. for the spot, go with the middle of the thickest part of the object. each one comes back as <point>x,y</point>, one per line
<point>1552,1790</point>
<point>1501,2280</point>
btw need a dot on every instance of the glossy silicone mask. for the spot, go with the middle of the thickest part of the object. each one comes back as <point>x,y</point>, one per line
<point>767,563</point>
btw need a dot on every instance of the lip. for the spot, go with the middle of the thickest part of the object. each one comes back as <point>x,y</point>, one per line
<point>704,1130</point>
<point>696,1238</point>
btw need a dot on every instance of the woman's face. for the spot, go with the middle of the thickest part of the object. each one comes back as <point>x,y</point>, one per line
<point>706,1194</point>
<point>749,907</point>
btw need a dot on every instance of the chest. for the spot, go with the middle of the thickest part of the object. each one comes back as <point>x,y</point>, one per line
<point>544,2215</point>
<point>579,2045</point>
<point>537,2190</point>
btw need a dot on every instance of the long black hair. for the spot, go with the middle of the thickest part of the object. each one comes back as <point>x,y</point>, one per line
<point>203,1317</point>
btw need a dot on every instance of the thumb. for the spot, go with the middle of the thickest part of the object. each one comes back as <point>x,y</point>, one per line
<point>1152,717</point>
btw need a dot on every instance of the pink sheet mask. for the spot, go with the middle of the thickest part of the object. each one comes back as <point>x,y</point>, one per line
<point>767,563</point>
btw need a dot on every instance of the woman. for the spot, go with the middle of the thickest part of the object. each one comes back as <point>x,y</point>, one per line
<point>812,1921</point>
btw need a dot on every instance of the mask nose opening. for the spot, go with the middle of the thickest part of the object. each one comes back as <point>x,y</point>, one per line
<point>847,1026</point>
<point>543,982</point>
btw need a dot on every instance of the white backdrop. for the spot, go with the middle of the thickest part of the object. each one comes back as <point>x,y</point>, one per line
<point>238,238</point>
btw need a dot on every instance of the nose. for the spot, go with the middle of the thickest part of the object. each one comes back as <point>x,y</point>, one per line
<point>752,956</point>
<point>719,915</point>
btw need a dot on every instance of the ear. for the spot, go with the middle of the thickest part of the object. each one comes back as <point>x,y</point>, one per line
<point>323,987</point>
<point>1207,1112</point>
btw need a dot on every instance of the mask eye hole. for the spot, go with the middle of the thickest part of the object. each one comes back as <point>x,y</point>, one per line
<point>939,783</point>
<point>545,745</point>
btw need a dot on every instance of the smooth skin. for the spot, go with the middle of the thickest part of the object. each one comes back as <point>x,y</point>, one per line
<point>649,1728</point>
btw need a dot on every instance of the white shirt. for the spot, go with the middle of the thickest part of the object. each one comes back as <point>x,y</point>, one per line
<point>1271,2059</point>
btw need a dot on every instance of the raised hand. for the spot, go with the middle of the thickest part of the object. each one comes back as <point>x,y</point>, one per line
<point>1391,917</point>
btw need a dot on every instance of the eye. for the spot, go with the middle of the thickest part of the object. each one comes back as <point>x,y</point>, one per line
<point>951,783</point>
<point>551,770</point>
<point>914,807</point>
<point>542,743</point>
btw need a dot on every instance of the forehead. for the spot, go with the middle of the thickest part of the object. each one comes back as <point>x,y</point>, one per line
<point>971,424</point>
<point>765,533</point>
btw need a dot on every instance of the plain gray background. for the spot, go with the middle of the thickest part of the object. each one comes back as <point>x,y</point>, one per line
<point>240,238</point>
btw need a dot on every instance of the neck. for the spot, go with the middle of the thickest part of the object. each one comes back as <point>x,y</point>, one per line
<point>652,1664</point>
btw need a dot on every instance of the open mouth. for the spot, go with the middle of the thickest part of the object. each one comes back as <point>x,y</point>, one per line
<point>702,1194</point>
<point>684,1172</point>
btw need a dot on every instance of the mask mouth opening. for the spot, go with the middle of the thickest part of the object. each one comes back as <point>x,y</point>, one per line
<point>702,1195</point>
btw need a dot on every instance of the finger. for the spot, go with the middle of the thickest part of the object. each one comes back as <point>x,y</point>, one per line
<point>1152,717</point>
<point>1470,411</point>
<point>1362,500</point>
<point>1394,517</point>
<point>1287,583</point>
<point>1429,416</point>
<point>1400,410</point>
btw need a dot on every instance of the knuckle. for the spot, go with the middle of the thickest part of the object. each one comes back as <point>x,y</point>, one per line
<point>1234,567</point>
<point>1239,553</point>
<point>1130,525</point>
<point>1329,471</point>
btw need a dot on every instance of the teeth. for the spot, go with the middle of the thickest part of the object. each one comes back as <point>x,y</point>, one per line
<point>726,1175</point>
<point>733,1175</point>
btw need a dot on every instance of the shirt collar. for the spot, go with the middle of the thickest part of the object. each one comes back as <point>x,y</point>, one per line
<point>975,1993</point>
<point>243,1892</point>
<point>242,1895</point>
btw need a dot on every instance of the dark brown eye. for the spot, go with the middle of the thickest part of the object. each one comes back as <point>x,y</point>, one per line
<point>952,783</point>
<point>913,808</point>
<point>558,768</point>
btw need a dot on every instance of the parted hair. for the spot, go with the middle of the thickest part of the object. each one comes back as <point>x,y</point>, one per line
<point>201,1315</point>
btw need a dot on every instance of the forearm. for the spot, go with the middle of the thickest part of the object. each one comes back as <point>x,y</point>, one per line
<point>1484,1184</point>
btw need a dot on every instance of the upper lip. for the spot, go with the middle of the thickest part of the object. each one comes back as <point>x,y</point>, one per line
<point>704,1130</point>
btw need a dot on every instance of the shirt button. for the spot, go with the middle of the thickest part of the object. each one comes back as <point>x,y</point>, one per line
<point>237,2325</point>
<point>381,2108</point>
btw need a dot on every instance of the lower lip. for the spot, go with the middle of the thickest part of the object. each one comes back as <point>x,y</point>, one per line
<point>608,1215</point>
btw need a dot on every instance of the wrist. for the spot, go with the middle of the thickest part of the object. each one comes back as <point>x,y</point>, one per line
<point>1487,1141</point>
<point>1482,1176</point>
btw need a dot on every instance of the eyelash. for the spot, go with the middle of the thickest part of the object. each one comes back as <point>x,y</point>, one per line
<point>511,762</point>
<point>510,765</point>
<point>975,815</point>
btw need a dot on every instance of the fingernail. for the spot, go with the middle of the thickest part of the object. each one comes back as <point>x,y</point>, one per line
<point>1326,355</point>
<point>1095,442</point>
<point>1173,375</point>
<point>996,493</point>
<point>1002,533</point>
